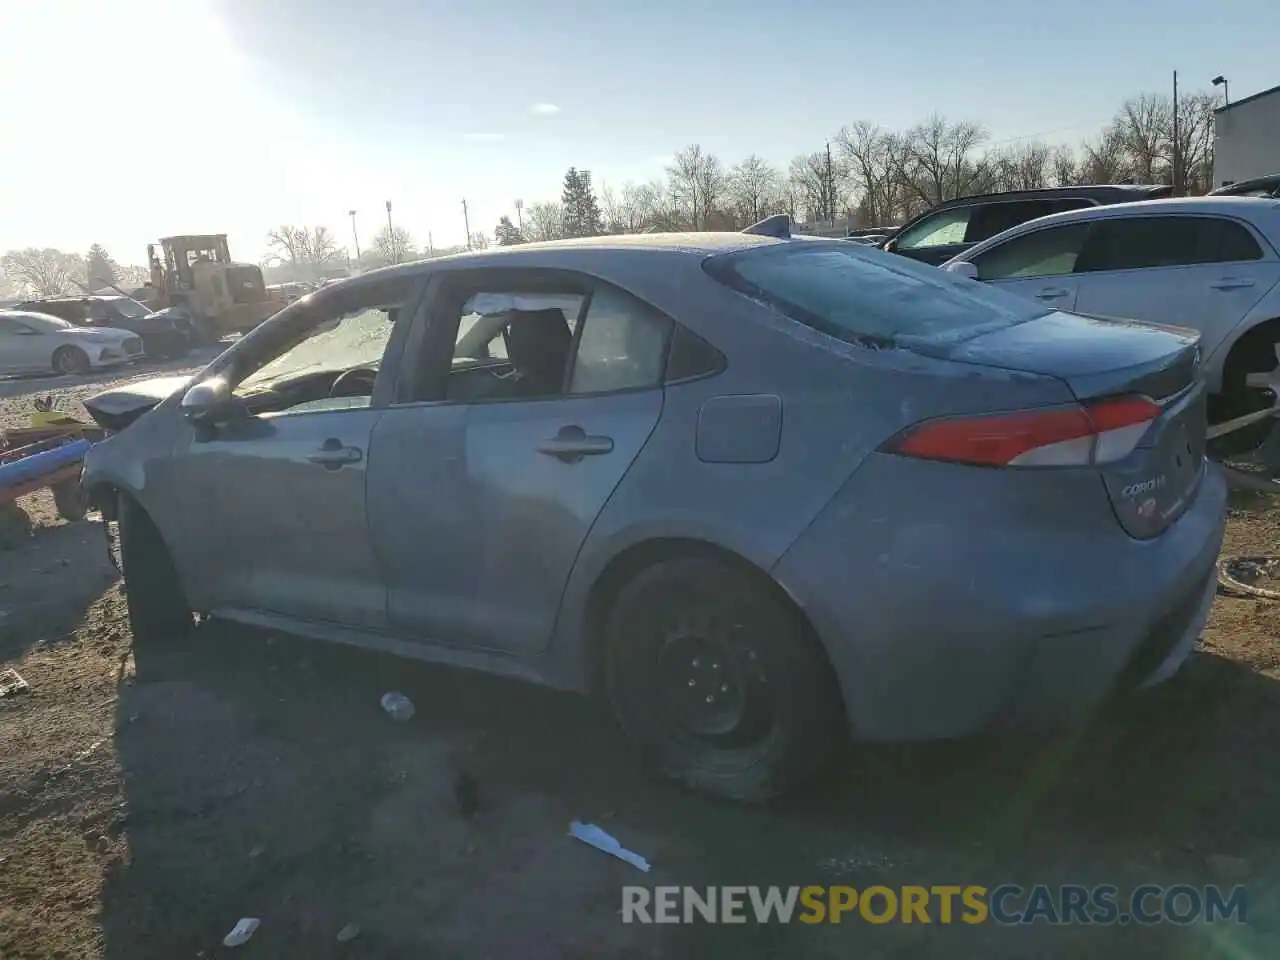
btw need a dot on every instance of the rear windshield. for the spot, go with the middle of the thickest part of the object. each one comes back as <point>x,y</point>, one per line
<point>867,296</point>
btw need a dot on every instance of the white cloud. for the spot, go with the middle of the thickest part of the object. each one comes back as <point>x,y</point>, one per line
<point>546,109</point>
<point>485,137</point>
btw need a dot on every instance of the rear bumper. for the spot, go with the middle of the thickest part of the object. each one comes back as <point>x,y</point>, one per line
<point>984,608</point>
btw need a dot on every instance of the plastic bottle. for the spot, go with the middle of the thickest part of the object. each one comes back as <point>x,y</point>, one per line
<point>397,705</point>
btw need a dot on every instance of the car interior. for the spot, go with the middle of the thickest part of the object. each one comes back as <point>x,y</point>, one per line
<point>504,353</point>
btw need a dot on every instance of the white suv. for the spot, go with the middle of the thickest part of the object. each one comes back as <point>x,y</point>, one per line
<point>1210,263</point>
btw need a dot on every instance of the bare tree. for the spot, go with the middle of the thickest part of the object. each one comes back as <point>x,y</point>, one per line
<point>1144,127</point>
<point>306,248</point>
<point>479,241</point>
<point>939,163</point>
<point>818,181</point>
<point>1021,167</point>
<point>868,153</point>
<point>612,214</point>
<point>1195,140</point>
<point>697,182</point>
<point>393,245</point>
<point>544,220</point>
<point>753,189</point>
<point>43,272</point>
<point>1066,171</point>
<point>1105,158</point>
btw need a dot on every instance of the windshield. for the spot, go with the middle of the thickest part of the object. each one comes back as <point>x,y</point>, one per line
<point>866,296</point>
<point>127,308</point>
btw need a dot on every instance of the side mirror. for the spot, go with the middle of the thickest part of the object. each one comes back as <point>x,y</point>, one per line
<point>963,268</point>
<point>206,399</point>
<point>890,245</point>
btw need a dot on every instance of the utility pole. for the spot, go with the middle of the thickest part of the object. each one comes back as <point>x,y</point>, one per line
<point>354,236</point>
<point>831,189</point>
<point>520,216</point>
<point>466,220</point>
<point>1177,142</point>
<point>431,247</point>
<point>391,237</point>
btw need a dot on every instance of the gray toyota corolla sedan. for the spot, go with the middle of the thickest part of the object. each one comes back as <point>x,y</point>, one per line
<point>758,493</point>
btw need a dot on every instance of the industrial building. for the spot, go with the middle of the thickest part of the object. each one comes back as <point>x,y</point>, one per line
<point>1246,138</point>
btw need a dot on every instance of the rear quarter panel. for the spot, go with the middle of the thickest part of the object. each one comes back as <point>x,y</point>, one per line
<point>838,403</point>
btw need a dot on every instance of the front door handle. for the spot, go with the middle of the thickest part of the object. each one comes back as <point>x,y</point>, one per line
<point>1052,293</point>
<point>573,443</point>
<point>1231,283</point>
<point>332,455</point>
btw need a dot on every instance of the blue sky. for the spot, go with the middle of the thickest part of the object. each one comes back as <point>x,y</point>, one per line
<point>292,111</point>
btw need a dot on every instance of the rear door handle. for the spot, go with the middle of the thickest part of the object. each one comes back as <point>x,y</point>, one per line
<point>1231,283</point>
<point>1052,293</point>
<point>573,443</point>
<point>332,455</point>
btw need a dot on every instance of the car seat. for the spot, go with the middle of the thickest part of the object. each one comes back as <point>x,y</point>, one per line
<point>538,344</point>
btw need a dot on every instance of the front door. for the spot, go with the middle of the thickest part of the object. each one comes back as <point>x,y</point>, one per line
<point>1037,264</point>
<point>480,514</point>
<point>22,348</point>
<point>275,500</point>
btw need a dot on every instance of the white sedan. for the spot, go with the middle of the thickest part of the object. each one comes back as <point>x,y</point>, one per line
<point>38,343</point>
<point>1210,263</point>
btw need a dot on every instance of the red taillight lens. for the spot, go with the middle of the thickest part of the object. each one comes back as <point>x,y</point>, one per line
<point>1098,432</point>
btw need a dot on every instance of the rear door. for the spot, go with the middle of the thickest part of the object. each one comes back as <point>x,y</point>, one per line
<point>1038,264</point>
<point>481,510</point>
<point>1203,272</point>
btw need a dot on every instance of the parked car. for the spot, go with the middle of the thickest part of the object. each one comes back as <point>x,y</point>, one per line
<point>950,228</point>
<point>1208,263</point>
<point>36,342</point>
<point>1257,187</point>
<point>753,491</point>
<point>165,334</point>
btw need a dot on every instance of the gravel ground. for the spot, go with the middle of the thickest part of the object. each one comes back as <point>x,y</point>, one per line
<point>146,806</point>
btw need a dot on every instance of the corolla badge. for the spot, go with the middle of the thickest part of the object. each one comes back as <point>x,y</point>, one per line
<point>1146,486</point>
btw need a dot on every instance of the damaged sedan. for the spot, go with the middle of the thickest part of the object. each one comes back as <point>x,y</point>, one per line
<point>759,494</point>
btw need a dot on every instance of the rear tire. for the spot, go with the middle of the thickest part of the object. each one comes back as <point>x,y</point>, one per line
<point>70,360</point>
<point>158,609</point>
<point>717,677</point>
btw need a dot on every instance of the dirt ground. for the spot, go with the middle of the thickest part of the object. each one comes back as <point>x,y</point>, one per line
<point>147,805</point>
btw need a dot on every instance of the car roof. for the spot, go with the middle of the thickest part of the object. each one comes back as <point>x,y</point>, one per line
<point>1096,191</point>
<point>697,245</point>
<point>1260,211</point>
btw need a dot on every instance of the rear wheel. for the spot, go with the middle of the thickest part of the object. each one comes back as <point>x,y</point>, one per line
<point>158,609</point>
<point>70,360</point>
<point>717,677</point>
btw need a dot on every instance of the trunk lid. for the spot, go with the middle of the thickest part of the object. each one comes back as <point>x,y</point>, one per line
<point>1098,358</point>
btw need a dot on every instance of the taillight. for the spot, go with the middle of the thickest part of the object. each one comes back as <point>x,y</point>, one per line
<point>1099,432</point>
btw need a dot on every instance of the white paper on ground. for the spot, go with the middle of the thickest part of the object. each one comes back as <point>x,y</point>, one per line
<point>592,835</point>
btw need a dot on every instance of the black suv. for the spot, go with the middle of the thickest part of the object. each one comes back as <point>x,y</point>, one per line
<point>164,336</point>
<point>950,228</point>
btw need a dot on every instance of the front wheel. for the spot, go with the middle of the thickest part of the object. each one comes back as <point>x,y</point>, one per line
<point>716,676</point>
<point>70,360</point>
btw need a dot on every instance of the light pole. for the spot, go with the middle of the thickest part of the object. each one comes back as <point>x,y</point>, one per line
<point>466,223</point>
<point>520,216</point>
<point>354,236</point>
<point>391,237</point>
<point>1221,81</point>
